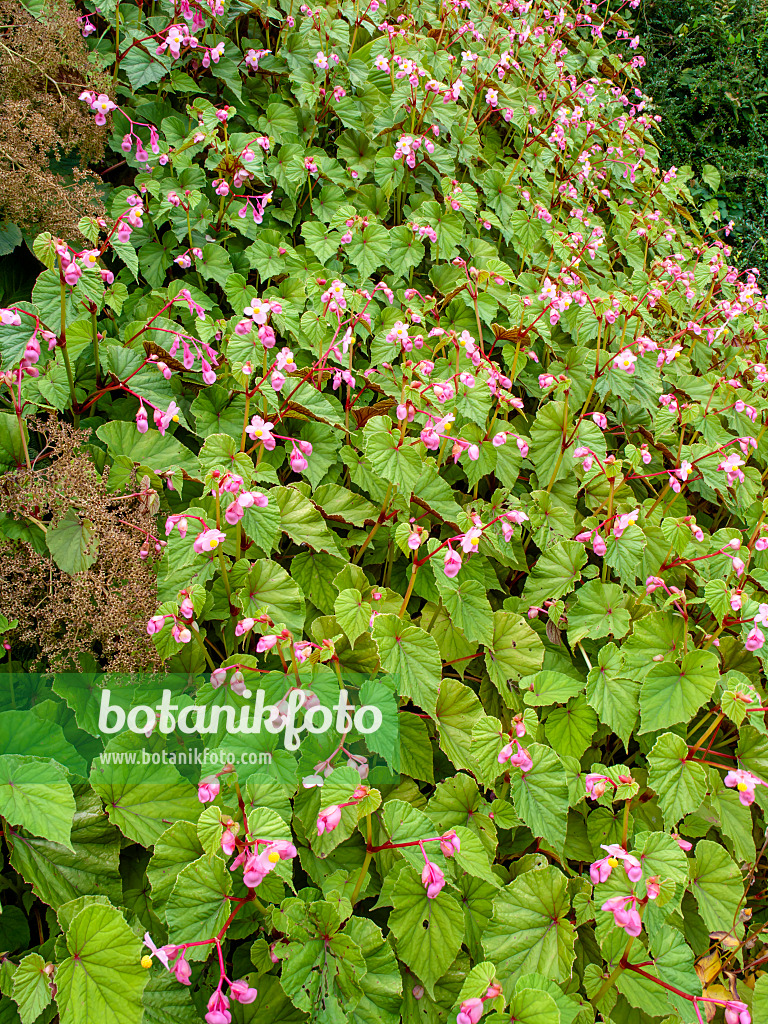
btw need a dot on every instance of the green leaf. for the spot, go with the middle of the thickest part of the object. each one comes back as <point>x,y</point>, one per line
<point>428,931</point>
<point>142,798</point>
<point>302,522</point>
<point>35,794</point>
<point>470,610</point>
<point>368,249</point>
<point>175,849</point>
<point>199,903</point>
<point>556,573</point>
<point>760,998</point>
<point>412,656</point>
<point>613,696</point>
<point>515,651</point>
<point>89,866</point>
<point>11,445</point>
<point>150,449</point>
<point>30,732</point>
<point>570,729</point>
<point>458,711</point>
<point>532,1006</point>
<point>391,458</point>
<point>381,984</point>
<point>549,687</point>
<point>73,542</point>
<point>672,693</point>
<point>599,610</point>
<point>353,614</point>
<point>530,929</point>
<point>717,884</point>
<point>102,979</point>
<point>31,988</point>
<point>268,585</point>
<point>541,795</point>
<point>681,786</point>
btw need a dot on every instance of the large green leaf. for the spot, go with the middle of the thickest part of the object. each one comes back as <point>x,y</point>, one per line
<point>302,522</point>
<point>428,931</point>
<point>90,866</point>
<point>199,903</point>
<point>73,542</point>
<point>515,651</point>
<point>612,694</point>
<point>268,585</point>
<point>175,849</point>
<point>717,884</point>
<point>530,929</point>
<point>673,693</point>
<point>35,794</point>
<point>151,450</point>
<point>31,988</point>
<point>142,798</point>
<point>541,795</point>
<point>391,458</point>
<point>599,610</point>
<point>410,655</point>
<point>382,984</point>
<point>680,785</point>
<point>102,980</point>
<point>556,572</point>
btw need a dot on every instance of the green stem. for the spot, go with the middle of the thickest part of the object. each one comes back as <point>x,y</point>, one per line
<point>96,348</point>
<point>366,862</point>
<point>409,591</point>
<point>375,527</point>
<point>196,634</point>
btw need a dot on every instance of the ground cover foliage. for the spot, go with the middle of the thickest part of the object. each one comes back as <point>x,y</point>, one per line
<point>395,365</point>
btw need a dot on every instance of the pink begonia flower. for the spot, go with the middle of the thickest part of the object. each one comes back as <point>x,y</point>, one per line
<point>629,920</point>
<point>244,625</point>
<point>432,879</point>
<point>328,819</point>
<point>682,843</point>
<point>208,540</point>
<point>471,540</point>
<point>625,361</point>
<point>450,844</point>
<point>208,790</point>
<point>595,785</point>
<point>218,1009</point>
<point>471,1011</point>
<point>522,760</point>
<point>160,953</point>
<point>182,970</point>
<point>142,422</point>
<point>452,563</point>
<point>755,640</point>
<point>261,430</point>
<point>737,1012</point>
<point>653,885</point>
<point>745,783</point>
<point>228,842</point>
<point>242,992</point>
<point>266,643</point>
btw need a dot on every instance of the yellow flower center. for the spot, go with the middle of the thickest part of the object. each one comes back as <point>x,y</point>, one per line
<point>146,961</point>
<point>742,787</point>
<point>475,541</point>
<point>613,862</point>
<point>273,857</point>
<point>175,419</point>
